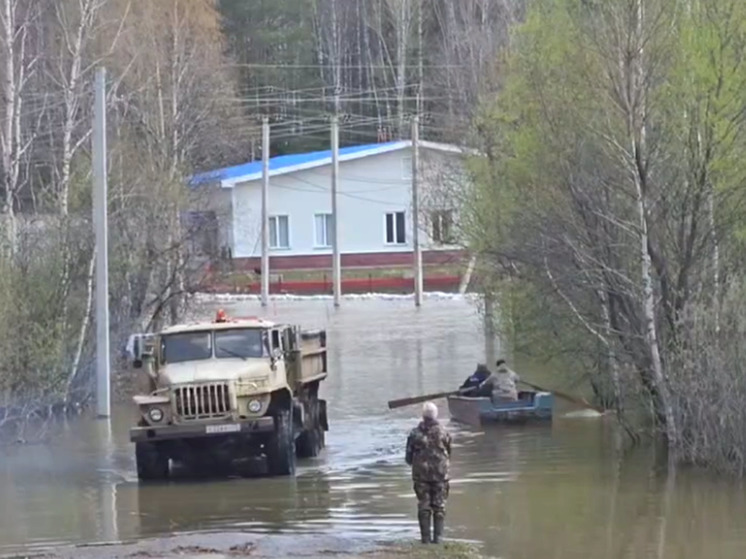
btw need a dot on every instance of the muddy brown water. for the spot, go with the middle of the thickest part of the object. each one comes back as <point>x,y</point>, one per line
<point>558,491</point>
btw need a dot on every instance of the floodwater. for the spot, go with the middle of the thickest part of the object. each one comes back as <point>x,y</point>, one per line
<point>558,491</point>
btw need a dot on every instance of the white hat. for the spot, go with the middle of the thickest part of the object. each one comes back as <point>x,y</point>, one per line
<point>430,411</point>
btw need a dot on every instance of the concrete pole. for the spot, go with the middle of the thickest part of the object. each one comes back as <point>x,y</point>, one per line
<point>265,212</point>
<point>416,212</point>
<point>103,366</point>
<point>336,259</point>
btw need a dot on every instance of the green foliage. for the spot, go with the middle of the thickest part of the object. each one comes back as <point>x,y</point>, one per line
<point>39,314</point>
<point>707,85</point>
<point>606,108</point>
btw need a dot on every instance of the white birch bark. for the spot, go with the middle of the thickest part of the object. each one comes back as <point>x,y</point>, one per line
<point>637,131</point>
<point>14,30</point>
<point>71,74</point>
<point>84,325</point>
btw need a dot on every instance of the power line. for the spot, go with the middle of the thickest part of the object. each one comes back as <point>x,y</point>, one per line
<point>276,65</point>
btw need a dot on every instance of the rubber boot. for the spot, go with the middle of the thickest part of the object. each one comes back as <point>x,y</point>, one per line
<point>438,520</point>
<point>424,518</point>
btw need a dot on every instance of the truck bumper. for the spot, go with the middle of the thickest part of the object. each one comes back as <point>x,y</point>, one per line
<point>187,431</point>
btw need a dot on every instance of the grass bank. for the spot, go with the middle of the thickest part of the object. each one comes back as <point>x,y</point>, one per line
<point>232,545</point>
<point>447,550</point>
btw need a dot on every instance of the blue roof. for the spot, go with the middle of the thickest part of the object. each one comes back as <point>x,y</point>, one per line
<point>281,162</point>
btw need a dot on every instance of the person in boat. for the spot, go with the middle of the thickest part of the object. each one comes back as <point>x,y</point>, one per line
<point>474,381</point>
<point>502,383</point>
<point>429,454</point>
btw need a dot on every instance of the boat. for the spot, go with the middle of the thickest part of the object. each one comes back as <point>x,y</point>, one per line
<point>531,407</point>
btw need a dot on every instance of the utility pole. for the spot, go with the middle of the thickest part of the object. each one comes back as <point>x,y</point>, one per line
<point>103,367</point>
<point>490,350</point>
<point>265,212</point>
<point>416,212</point>
<point>336,259</point>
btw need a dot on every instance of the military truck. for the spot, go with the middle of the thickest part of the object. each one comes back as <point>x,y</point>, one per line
<point>225,390</point>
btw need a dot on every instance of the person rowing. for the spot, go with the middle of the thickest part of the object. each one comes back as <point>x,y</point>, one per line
<point>501,383</point>
<point>475,380</point>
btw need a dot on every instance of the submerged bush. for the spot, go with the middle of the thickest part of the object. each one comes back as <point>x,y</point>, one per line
<point>708,380</point>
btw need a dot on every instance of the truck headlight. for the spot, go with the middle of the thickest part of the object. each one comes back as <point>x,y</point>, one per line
<point>155,414</point>
<point>255,406</point>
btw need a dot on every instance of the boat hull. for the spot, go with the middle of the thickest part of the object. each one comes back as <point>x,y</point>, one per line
<point>531,407</point>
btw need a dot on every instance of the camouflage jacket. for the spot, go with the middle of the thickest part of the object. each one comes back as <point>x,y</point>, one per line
<point>429,452</point>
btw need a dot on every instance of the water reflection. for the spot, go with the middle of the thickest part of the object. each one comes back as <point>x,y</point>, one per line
<point>563,490</point>
<point>106,449</point>
<point>267,505</point>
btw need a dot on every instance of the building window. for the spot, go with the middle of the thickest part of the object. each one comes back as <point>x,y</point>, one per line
<point>323,227</point>
<point>406,168</point>
<point>279,231</point>
<point>395,228</point>
<point>442,226</point>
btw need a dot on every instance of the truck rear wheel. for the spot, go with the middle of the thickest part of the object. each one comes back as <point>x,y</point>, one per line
<point>281,447</point>
<point>311,441</point>
<point>152,464</point>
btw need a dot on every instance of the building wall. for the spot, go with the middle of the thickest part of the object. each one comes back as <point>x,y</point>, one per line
<point>368,188</point>
<point>222,205</point>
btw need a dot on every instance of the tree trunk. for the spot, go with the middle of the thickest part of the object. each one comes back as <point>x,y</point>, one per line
<point>402,29</point>
<point>611,353</point>
<point>83,332</point>
<point>71,95</point>
<point>637,129</point>
<point>715,258</point>
<point>10,140</point>
<point>335,55</point>
<point>420,61</point>
<point>663,405</point>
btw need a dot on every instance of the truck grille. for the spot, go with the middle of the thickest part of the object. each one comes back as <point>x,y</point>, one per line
<point>202,401</point>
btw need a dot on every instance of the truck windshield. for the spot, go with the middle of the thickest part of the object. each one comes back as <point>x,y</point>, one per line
<point>238,342</point>
<point>188,346</point>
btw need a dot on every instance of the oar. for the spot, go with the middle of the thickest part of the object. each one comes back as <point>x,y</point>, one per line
<point>565,396</point>
<point>417,399</point>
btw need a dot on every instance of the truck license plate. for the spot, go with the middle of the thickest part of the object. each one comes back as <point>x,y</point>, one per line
<point>230,428</point>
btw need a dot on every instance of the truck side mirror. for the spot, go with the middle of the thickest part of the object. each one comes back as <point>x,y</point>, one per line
<point>137,350</point>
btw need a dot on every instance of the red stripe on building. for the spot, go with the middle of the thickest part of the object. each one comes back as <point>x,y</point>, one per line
<point>352,285</point>
<point>356,260</point>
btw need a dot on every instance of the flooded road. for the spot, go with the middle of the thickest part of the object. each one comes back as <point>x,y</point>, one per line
<point>557,491</point>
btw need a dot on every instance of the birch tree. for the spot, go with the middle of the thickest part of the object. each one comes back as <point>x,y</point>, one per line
<point>470,37</point>
<point>19,64</point>
<point>79,34</point>
<point>170,112</point>
<point>178,95</point>
<point>618,124</point>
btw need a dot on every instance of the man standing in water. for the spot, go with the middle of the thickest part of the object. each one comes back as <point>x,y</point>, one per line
<point>429,453</point>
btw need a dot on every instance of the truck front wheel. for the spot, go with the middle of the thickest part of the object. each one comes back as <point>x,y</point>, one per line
<point>152,463</point>
<point>281,446</point>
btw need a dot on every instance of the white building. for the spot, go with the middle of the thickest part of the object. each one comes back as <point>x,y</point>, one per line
<point>374,204</point>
